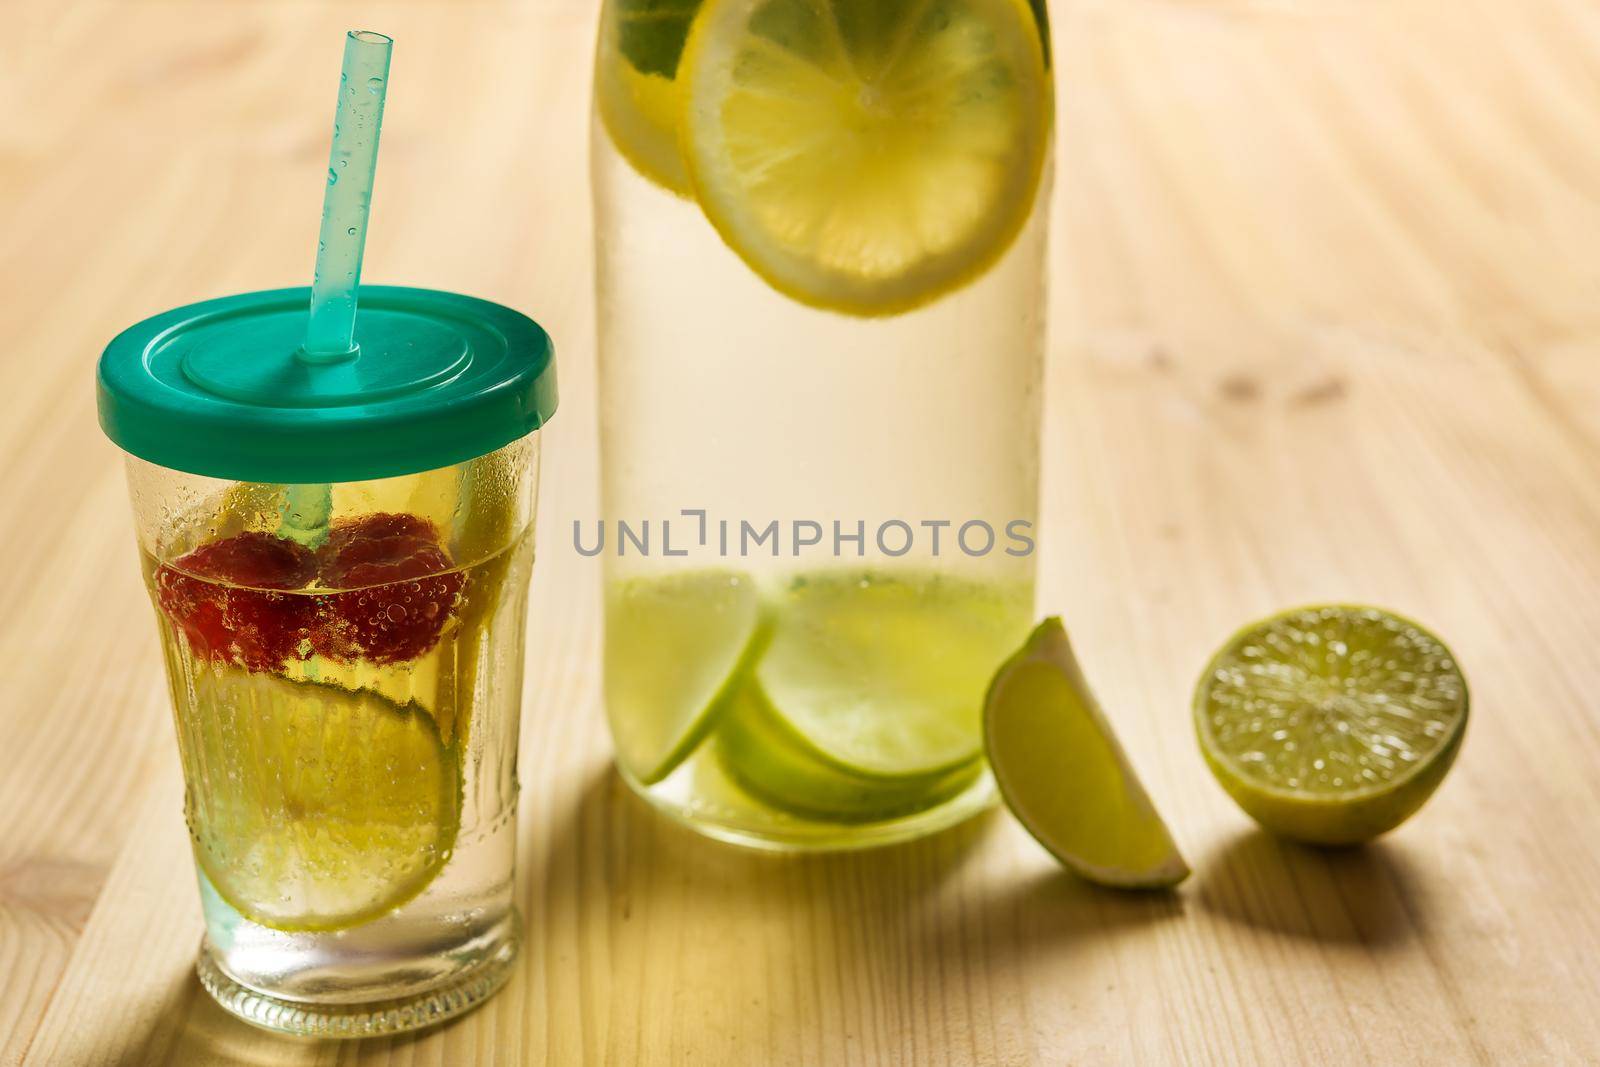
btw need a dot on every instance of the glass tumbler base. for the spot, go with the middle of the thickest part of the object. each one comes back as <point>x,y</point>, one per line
<point>464,991</point>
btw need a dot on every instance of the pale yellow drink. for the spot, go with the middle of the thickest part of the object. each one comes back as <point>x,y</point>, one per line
<point>346,696</point>
<point>820,232</point>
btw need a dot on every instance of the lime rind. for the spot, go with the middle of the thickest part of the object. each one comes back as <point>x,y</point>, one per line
<point>1328,820</point>
<point>1065,776</point>
<point>1308,682</point>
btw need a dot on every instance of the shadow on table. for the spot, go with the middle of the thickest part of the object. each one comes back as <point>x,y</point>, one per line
<point>619,900</point>
<point>194,1031</point>
<point>191,1029</point>
<point>1053,912</point>
<point>719,924</point>
<point>621,845</point>
<point>1357,894</point>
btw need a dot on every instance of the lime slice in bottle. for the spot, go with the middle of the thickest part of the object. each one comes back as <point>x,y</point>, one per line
<point>883,675</point>
<point>675,646</point>
<point>636,88</point>
<point>762,753</point>
<point>312,807</point>
<point>866,701</point>
<point>1065,777</point>
<point>865,156</point>
<point>1331,724</point>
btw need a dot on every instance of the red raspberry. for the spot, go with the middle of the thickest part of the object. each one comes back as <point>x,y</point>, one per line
<point>400,589</point>
<point>231,598</point>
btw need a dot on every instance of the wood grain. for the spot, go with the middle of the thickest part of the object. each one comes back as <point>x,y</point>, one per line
<point>1325,326</point>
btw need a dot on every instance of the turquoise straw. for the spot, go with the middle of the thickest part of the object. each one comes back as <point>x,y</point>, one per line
<point>363,82</point>
<point>330,331</point>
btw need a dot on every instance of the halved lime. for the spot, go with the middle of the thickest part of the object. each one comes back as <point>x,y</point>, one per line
<point>1331,724</point>
<point>312,807</point>
<point>865,155</point>
<point>674,647</point>
<point>762,752</point>
<point>1064,775</point>
<point>883,674</point>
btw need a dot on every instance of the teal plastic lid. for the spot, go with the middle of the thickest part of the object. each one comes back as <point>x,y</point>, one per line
<point>222,388</point>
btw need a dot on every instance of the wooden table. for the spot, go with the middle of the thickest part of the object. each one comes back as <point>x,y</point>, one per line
<point>1326,325</point>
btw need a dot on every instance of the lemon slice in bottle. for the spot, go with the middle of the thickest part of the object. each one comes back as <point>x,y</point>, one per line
<point>312,807</point>
<point>1331,724</point>
<point>1065,777</point>
<point>865,155</point>
<point>675,648</point>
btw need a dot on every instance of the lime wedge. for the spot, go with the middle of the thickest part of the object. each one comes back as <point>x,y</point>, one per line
<point>1064,775</point>
<point>883,676</point>
<point>674,646</point>
<point>1331,724</point>
<point>865,156</point>
<point>314,808</point>
<point>761,752</point>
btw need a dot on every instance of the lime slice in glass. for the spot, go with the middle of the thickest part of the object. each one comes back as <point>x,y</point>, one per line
<point>1065,777</point>
<point>312,807</point>
<point>674,646</point>
<point>1331,724</point>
